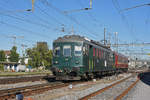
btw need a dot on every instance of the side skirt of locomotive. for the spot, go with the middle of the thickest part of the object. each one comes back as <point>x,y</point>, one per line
<point>89,75</point>
<point>68,78</point>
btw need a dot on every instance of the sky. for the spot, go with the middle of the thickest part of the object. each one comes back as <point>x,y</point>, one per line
<point>50,17</point>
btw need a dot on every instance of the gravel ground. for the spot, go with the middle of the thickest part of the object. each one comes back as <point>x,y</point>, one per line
<point>7,86</point>
<point>78,91</point>
<point>140,92</point>
<point>113,92</point>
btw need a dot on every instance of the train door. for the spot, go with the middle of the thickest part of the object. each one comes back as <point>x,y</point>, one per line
<point>91,52</point>
<point>86,56</point>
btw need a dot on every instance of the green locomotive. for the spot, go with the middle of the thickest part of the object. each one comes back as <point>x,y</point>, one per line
<point>76,57</point>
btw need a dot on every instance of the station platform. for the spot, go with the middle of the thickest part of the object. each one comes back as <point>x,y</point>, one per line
<point>142,90</point>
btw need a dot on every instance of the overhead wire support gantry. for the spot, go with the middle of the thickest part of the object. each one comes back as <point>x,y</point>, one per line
<point>130,44</point>
<point>45,2</point>
<point>23,10</point>
<point>14,37</point>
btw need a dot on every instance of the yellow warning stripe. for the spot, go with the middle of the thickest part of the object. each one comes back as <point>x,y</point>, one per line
<point>92,64</point>
<point>89,64</point>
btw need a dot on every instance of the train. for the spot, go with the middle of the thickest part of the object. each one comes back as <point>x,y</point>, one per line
<point>76,57</point>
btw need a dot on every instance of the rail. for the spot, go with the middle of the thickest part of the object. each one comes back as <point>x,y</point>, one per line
<point>104,89</point>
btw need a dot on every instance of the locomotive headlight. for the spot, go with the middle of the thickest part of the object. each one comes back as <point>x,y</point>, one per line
<point>66,59</point>
<point>59,70</point>
<point>77,62</point>
<point>56,62</point>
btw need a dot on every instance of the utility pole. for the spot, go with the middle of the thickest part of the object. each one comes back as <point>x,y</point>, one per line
<point>23,53</point>
<point>72,30</point>
<point>116,41</point>
<point>63,28</point>
<point>91,4</point>
<point>109,39</point>
<point>33,5</point>
<point>14,37</point>
<point>14,41</point>
<point>104,36</point>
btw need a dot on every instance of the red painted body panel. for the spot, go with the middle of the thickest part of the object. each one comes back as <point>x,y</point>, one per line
<point>121,61</point>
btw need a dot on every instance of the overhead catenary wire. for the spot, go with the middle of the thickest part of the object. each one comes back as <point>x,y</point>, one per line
<point>123,17</point>
<point>28,21</point>
<point>52,18</point>
<point>22,18</point>
<point>148,4</point>
<point>91,16</point>
<point>147,20</point>
<point>28,42</point>
<point>19,10</point>
<point>25,19</point>
<point>45,2</point>
<point>82,9</point>
<point>25,30</point>
<point>121,11</point>
<point>95,21</point>
<point>44,12</point>
<point>74,21</point>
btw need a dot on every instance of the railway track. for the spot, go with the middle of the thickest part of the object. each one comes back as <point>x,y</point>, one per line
<point>40,88</point>
<point>115,91</point>
<point>7,94</point>
<point>12,80</point>
<point>29,90</point>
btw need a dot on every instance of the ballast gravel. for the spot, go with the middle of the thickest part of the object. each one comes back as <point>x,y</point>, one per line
<point>140,92</point>
<point>116,90</point>
<point>22,84</point>
<point>79,90</point>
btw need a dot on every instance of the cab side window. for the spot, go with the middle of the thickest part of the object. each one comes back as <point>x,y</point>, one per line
<point>57,51</point>
<point>67,50</point>
<point>77,50</point>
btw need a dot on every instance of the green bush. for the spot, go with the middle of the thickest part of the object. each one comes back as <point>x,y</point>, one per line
<point>1,67</point>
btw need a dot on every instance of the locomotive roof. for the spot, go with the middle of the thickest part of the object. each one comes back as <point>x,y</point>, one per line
<point>78,38</point>
<point>69,38</point>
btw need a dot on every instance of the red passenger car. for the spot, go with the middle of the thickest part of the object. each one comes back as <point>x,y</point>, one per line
<point>121,62</point>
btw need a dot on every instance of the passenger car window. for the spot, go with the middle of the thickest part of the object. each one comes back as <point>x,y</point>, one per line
<point>77,50</point>
<point>67,50</point>
<point>93,51</point>
<point>57,51</point>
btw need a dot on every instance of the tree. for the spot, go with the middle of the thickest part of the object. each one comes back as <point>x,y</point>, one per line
<point>40,55</point>
<point>2,55</point>
<point>14,56</point>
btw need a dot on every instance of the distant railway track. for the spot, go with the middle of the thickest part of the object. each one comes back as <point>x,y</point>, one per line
<point>6,94</point>
<point>111,88</point>
<point>29,90</point>
<point>12,80</point>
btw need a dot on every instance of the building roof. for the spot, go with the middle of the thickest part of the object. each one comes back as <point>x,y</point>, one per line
<point>7,52</point>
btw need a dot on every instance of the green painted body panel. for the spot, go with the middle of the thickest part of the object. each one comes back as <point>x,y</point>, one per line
<point>68,61</point>
<point>86,62</point>
<point>95,63</point>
